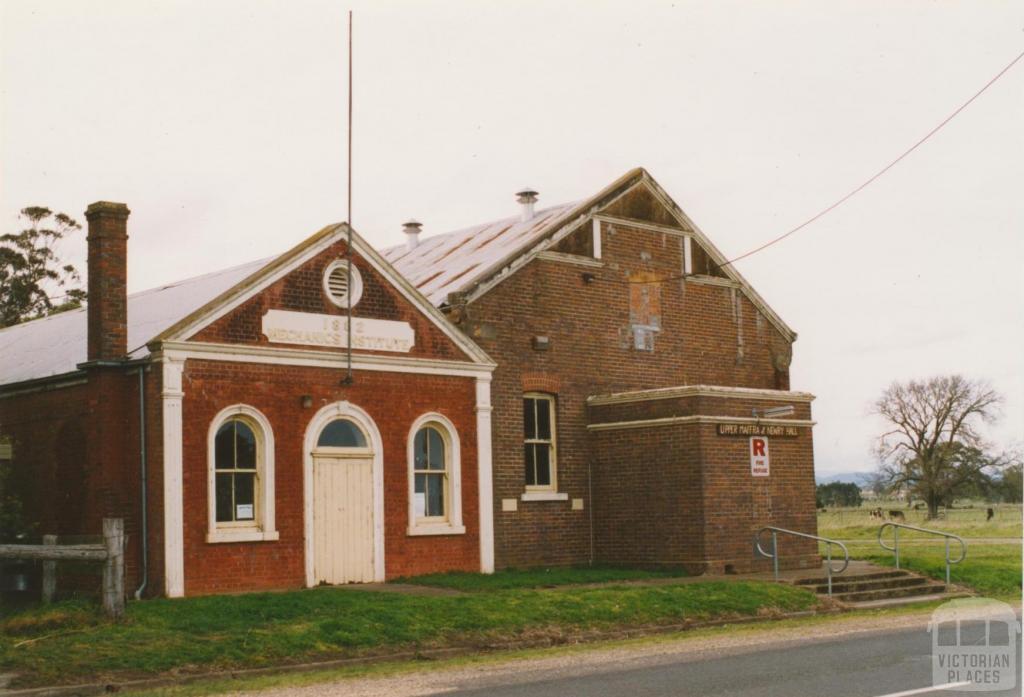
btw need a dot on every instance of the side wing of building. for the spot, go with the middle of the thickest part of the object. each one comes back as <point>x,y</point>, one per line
<point>633,376</point>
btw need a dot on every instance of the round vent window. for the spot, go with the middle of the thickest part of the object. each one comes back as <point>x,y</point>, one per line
<point>338,286</point>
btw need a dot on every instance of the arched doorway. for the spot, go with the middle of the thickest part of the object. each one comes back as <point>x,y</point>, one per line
<point>344,497</point>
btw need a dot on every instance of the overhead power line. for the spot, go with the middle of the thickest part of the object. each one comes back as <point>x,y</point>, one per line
<point>831,207</point>
<point>880,172</point>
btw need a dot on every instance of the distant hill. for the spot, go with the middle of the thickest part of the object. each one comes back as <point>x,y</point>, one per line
<point>861,479</point>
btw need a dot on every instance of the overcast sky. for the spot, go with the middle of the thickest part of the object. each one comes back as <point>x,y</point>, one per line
<point>222,125</point>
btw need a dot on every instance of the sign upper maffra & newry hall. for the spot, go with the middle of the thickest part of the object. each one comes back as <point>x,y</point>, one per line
<point>758,430</point>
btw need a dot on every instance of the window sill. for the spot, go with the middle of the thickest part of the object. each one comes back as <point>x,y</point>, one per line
<point>544,496</point>
<point>436,529</point>
<point>222,536</point>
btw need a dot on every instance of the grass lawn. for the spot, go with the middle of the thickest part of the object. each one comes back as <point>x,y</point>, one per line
<point>990,569</point>
<point>536,578</point>
<point>701,636</point>
<point>70,642</point>
<point>857,523</point>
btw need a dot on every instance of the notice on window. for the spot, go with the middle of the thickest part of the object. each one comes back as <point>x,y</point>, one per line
<point>759,463</point>
<point>243,511</point>
<point>419,503</point>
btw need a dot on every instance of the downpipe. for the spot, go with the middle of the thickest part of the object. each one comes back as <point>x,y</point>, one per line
<point>143,483</point>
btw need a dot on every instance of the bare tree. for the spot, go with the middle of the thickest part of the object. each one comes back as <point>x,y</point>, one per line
<point>933,446</point>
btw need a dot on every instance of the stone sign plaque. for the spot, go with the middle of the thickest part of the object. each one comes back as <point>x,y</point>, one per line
<point>312,329</point>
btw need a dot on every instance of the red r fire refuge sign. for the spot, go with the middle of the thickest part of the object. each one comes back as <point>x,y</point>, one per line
<point>759,464</point>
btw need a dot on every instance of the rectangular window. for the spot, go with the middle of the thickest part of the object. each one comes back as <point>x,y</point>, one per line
<point>539,441</point>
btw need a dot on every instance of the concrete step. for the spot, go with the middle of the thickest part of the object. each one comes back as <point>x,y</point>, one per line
<point>878,587</point>
<point>928,588</point>
<point>819,580</point>
<point>849,585</point>
<point>906,600</point>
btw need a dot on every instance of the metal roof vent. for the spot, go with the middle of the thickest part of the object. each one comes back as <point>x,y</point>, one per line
<point>412,229</point>
<point>336,283</point>
<point>526,198</point>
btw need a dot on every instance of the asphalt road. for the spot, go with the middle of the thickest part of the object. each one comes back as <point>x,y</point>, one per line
<point>889,663</point>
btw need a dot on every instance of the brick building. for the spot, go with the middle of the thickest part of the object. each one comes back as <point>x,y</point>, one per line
<point>640,389</point>
<point>216,417</point>
<point>656,362</point>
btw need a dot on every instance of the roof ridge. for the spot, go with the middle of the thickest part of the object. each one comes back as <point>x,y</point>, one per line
<point>485,224</point>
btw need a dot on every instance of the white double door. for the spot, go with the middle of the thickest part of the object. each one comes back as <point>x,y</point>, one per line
<point>343,519</point>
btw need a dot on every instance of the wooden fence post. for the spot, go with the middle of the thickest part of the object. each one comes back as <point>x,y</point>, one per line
<point>113,567</point>
<point>49,572</point>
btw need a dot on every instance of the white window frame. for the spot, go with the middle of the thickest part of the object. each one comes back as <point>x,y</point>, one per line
<point>452,523</point>
<point>545,492</point>
<point>262,528</point>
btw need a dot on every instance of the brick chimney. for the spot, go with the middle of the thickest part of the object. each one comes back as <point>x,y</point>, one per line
<point>108,280</point>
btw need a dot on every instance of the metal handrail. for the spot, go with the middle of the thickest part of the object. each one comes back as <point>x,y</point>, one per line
<point>775,551</point>
<point>895,549</point>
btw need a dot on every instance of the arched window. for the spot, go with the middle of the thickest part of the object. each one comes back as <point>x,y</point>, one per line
<point>430,470</point>
<point>341,433</point>
<point>241,477</point>
<point>236,471</point>
<point>435,505</point>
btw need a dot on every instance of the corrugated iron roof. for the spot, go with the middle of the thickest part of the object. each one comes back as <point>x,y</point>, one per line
<point>57,344</point>
<point>448,263</point>
<point>439,265</point>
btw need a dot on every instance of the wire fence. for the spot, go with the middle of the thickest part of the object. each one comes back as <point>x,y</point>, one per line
<point>983,519</point>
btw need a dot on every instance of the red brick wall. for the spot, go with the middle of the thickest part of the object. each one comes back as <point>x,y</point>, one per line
<point>648,503</point>
<point>683,495</point>
<point>302,291</point>
<point>737,504</point>
<point>708,473</point>
<point>714,502</point>
<point>710,334</point>
<point>155,477</point>
<point>393,400</point>
<point>77,457</point>
<point>49,431</point>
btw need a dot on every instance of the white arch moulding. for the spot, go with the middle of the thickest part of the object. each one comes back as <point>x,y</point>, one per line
<point>329,413</point>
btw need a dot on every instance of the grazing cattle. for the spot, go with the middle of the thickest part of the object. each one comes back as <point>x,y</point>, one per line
<point>990,515</point>
<point>877,513</point>
<point>897,515</point>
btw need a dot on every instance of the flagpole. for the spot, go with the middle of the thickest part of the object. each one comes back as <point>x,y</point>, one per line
<point>348,247</point>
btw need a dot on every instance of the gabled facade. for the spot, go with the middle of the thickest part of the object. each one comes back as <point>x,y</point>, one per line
<point>651,363</point>
<point>274,457</point>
